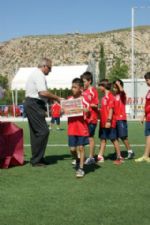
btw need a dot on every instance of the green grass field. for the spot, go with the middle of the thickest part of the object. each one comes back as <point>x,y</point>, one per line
<point>107,195</point>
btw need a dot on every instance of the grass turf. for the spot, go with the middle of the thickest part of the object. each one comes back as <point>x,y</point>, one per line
<point>107,195</point>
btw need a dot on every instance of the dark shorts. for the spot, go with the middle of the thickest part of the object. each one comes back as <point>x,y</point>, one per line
<point>92,128</point>
<point>122,129</point>
<point>74,141</point>
<point>147,128</point>
<point>108,133</point>
<point>57,119</point>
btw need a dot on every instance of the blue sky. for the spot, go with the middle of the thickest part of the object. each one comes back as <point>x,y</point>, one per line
<point>36,17</point>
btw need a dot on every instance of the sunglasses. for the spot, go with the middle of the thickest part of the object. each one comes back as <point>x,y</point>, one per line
<point>49,67</point>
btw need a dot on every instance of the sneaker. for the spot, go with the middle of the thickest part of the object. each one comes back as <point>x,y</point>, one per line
<point>100,159</point>
<point>89,161</point>
<point>74,162</point>
<point>130,155</point>
<point>80,173</point>
<point>119,161</point>
<point>143,159</point>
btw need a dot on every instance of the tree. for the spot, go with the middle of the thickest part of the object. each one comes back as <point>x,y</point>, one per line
<point>102,63</point>
<point>21,96</point>
<point>118,71</point>
<point>4,82</point>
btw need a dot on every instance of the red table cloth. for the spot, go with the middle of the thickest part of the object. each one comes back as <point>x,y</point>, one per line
<point>11,145</point>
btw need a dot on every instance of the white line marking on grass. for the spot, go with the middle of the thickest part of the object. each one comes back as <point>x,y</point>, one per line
<point>65,145</point>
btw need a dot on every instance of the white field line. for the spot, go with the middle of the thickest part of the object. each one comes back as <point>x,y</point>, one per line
<point>65,145</point>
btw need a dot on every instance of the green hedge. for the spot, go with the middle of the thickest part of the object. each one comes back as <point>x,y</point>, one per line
<point>7,100</point>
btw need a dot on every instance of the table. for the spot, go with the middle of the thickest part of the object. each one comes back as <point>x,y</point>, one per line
<point>11,145</point>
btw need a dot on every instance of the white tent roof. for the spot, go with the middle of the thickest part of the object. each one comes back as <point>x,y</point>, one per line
<point>59,77</point>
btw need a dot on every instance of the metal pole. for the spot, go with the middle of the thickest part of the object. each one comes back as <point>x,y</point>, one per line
<point>133,77</point>
<point>132,60</point>
<point>132,45</point>
<point>16,97</point>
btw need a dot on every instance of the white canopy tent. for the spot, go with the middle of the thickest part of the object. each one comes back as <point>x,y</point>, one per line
<point>60,77</point>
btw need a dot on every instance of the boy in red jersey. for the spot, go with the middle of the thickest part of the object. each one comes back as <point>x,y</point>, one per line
<point>108,122</point>
<point>90,94</point>
<point>121,118</point>
<point>78,132</point>
<point>146,117</point>
<point>55,113</point>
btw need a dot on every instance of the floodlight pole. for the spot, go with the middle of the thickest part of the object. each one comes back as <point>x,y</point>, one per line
<point>132,44</point>
<point>133,63</point>
<point>134,79</point>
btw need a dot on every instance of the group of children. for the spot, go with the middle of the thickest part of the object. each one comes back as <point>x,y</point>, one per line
<point>111,111</point>
<point>113,121</point>
<point>112,108</point>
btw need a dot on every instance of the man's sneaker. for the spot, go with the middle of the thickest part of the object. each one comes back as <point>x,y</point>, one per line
<point>130,155</point>
<point>80,173</point>
<point>143,159</point>
<point>119,160</point>
<point>89,161</point>
<point>100,159</point>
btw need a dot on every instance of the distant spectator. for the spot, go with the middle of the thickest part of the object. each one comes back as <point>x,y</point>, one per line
<point>55,113</point>
<point>17,111</point>
<point>6,110</point>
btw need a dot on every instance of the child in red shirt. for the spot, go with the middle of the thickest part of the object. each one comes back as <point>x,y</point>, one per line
<point>78,132</point>
<point>121,118</point>
<point>146,117</point>
<point>108,122</point>
<point>90,94</point>
<point>55,113</point>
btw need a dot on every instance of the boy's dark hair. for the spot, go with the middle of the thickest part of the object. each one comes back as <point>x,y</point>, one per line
<point>105,83</point>
<point>88,76</point>
<point>120,81</point>
<point>78,81</point>
<point>147,75</point>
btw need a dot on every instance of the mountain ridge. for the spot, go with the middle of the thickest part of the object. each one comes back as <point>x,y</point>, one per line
<point>77,48</point>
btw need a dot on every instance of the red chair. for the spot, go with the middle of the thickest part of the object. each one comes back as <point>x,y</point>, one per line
<point>11,145</point>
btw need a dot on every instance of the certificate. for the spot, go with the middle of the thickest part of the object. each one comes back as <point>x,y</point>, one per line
<point>72,107</point>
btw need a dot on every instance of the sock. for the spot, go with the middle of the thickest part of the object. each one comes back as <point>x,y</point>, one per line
<point>130,151</point>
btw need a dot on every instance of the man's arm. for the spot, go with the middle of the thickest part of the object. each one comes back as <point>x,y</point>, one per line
<point>49,95</point>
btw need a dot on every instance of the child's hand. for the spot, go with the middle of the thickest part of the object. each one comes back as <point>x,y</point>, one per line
<point>85,110</point>
<point>117,83</point>
<point>62,111</point>
<point>142,119</point>
<point>107,124</point>
<point>94,105</point>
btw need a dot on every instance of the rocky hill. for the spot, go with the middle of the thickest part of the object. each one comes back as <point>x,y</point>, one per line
<point>77,49</point>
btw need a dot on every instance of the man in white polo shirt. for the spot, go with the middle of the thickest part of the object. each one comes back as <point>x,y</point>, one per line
<point>37,96</point>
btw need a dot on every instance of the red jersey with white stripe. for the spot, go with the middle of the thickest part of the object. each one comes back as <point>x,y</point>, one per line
<point>91,97</point>
<point>107,103</point>
<point>147,106</point>
<point>78,126</point>
<point>56,110</point>
<point>120,106</point>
